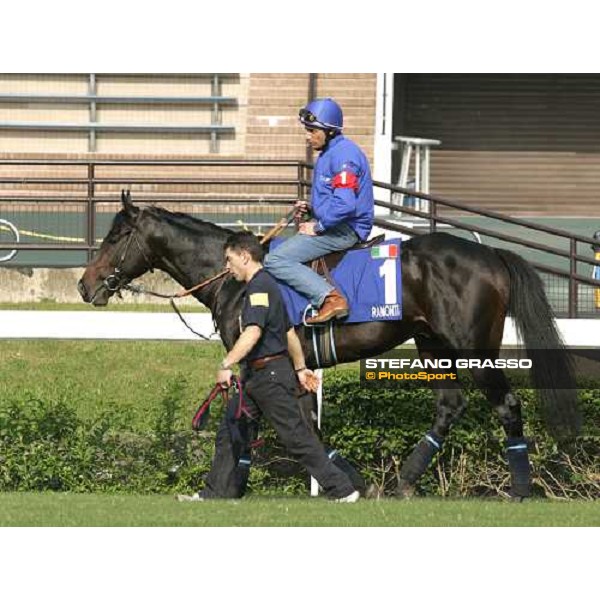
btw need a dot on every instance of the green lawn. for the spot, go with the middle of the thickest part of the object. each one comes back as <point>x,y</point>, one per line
<point>89,375</point>
<point>54,509</point>
<point>114,307</point>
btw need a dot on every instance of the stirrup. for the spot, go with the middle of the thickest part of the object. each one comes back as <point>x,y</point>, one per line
<point>313,312</point>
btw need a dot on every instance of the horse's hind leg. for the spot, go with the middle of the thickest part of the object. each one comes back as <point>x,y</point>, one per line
<point>450,406</point>
<point>508,408</point>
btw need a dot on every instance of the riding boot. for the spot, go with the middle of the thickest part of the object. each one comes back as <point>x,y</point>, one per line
<point>334,306</point>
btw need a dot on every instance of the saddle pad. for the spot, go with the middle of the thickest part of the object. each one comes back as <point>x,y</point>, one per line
<point>370,279</point>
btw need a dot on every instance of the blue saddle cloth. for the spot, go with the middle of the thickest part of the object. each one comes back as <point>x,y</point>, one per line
<point>370,279</point>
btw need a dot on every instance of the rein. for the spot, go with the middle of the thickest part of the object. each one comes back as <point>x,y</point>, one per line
<point>201,417</point>
<point>115,282</point>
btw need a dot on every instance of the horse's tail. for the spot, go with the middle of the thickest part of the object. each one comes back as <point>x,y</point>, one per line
<point>552,369</point>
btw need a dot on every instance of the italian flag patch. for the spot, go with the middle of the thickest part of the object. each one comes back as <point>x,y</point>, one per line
<point>390,251</point>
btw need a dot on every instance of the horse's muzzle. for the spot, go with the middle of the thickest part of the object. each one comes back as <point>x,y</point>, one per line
<point>97,297</point>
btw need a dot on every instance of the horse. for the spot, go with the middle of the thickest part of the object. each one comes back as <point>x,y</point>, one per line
<point>456,295</point>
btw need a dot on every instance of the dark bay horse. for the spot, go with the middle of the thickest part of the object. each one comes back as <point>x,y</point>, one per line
<point>456,295</point>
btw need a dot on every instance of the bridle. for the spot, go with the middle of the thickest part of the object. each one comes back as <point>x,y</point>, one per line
<point>118,280</point>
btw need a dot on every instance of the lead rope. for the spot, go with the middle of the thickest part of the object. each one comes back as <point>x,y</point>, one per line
<point>138,289</point>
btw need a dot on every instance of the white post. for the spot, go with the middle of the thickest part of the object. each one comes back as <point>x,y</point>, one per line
<point>382,159</point>
<point>314,486</point>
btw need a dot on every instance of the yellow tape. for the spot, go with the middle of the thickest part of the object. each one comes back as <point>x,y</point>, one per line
<point>44,236</point>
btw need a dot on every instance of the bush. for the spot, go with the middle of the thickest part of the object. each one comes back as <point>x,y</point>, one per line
<point>378,428</point>
<point>46,445</point>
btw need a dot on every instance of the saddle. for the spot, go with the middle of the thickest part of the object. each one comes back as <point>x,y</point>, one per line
<point>324,264</point>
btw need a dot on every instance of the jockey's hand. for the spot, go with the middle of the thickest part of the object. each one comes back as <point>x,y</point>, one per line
<point>224,377</point>
<point>301,206</point>
<point>308,380</point>
<point>307,228</point>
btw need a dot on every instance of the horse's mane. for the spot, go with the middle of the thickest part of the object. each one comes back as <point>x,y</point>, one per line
<point>185,221</point>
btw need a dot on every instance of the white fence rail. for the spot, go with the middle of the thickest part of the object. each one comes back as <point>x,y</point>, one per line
<point>107,325</point>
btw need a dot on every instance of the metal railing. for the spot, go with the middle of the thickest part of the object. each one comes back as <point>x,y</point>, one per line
<point>256,192</point>
<point>569,282</point>
<point>65,205</point>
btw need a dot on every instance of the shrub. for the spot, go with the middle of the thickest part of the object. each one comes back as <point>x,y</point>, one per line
<point>379,427</point>
<point>46,445</point>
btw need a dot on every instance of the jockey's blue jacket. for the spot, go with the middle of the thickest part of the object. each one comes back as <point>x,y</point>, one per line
<point>342,189</point>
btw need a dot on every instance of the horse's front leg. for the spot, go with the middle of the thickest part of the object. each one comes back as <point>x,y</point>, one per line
<point>449,407</point>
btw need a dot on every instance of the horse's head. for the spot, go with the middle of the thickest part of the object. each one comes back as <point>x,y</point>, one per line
<point>123,256</point>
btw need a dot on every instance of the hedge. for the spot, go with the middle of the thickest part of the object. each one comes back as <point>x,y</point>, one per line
<point>46,445</point>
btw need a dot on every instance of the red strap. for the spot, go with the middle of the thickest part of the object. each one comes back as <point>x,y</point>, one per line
<point>346,180</point>
<point>217,389</point>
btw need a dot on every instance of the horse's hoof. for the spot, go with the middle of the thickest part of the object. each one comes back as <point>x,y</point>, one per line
<point>516,498</point>
<point>405,490</point>
<point>518,493</point>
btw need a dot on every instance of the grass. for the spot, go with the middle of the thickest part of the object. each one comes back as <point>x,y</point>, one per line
<point>55,509</point>
<point>114,307</point>
<point>90,375</point>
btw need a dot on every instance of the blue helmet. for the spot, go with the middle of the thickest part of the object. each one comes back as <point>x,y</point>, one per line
<point>324,113</point>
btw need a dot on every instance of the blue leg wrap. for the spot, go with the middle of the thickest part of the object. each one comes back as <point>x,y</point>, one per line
<point>520,470</point>
<point>420,458</point>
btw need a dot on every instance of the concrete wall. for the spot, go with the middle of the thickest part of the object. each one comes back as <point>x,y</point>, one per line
<point>60,285</point>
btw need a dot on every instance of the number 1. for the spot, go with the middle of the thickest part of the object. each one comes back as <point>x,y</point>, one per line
<point>388,271</point>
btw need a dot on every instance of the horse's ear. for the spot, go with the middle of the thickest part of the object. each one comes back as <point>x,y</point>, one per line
<point>128,207</point>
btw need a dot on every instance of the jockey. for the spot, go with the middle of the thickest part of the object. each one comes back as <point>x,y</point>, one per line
<point>341,208</point>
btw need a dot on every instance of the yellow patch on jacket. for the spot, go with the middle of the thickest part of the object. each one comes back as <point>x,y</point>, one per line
<point>259,299</point>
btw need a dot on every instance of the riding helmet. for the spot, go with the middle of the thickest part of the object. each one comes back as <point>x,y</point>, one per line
<point>324,113</point>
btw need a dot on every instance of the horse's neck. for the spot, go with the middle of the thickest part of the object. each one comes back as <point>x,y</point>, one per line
<point>190,260</point>
<point>193,258</point>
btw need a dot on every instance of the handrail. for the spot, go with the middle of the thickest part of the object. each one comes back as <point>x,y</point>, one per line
<point>201,162</point>
<point>495,234</point>
<point>484,213</point>
<point>88,192</point>
<point>433,217</point>
<point>120,127</point>
<point>481,212</point>
<point>553,270</point>
<point>88,98</point>
<point>153,180</point>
